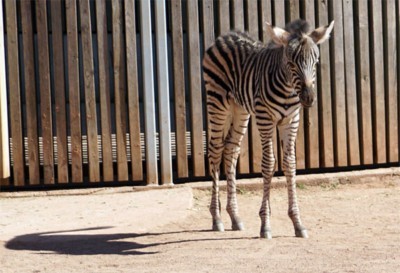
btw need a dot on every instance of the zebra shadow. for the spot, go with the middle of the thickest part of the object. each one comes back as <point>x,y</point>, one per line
<point>76,242</point>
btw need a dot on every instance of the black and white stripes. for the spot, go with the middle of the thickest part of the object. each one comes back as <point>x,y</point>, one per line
<point>243,77</point>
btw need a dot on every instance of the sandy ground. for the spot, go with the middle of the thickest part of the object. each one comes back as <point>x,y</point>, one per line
<point>352,228</point>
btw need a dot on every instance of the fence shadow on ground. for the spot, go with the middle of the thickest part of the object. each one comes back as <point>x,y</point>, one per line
<point>70,242</point>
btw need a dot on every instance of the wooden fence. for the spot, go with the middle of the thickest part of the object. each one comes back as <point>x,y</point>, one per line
<point>111,91</point>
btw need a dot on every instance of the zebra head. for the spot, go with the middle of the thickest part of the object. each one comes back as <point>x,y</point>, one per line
<point>300,54</point>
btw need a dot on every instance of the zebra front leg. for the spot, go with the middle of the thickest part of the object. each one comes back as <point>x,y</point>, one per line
<point>288,134</point>
<point>268,167</point>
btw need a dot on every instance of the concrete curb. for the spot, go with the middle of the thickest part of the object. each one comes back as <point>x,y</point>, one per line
<point>352,177</point>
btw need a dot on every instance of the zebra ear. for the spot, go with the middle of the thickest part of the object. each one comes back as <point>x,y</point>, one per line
<point>278,35</point>
<point>321,34</point>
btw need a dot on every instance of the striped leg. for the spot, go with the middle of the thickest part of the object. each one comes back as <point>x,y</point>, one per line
<point>268,168</point>
<point>240,120</point>
<point>216,120</point>
<point>288,134</point>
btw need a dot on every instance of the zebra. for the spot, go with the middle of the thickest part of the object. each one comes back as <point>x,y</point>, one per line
<point>272,82</point>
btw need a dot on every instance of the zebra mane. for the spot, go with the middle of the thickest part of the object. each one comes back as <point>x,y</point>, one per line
<point>297,28</point>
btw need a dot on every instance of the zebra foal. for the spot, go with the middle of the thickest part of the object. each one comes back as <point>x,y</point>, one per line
<point>272,82</point>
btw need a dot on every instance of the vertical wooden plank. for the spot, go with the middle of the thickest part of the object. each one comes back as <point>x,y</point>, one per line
<point>74,92</point>
<point>133,91</point>
<point>238,15</point>
<point>324,93</point>
<point>339,95</point>
<point>119,89</point>
<point>163,92</point>
<point>90,100</point>
<point>279,13</point>
<point>30,91</point>
<point>59,86</point>
<point>300,140</point>
<point>266,16</point>
<point>391,82</point>
<point>223,17</point>
<point>364,83</point>
<point>179,89</point>
<point>351,91</point>
<point>378,86</point>
<point>104,90</point>
<point>255,140</point>
<point>196,102</point>
<point>238,24</point>
<point>208,23</point>
<point>311,115</point>
<point>45,92</point>
<point>15,110</point>
<point>148,90</point>
<point>279,21</point>
<point>4,140</point>
<point>294,10</point>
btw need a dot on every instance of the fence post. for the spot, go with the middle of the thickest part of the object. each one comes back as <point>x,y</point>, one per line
<point>163,93</point>
<point>4,144</point>
<point>148,90</point>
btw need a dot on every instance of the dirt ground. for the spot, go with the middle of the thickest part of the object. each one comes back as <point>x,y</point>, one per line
<point>352,228</point>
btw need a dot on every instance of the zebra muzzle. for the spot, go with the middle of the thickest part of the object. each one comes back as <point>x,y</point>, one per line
<point>307,97</point>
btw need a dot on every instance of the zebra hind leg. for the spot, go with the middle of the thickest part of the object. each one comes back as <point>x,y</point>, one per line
<point>217,122</point>
<point>233,140</point>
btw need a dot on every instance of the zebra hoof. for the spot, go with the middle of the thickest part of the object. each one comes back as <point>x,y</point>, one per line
<point>218,226</point>
<point>301,233</point>
<point>238,226</point>
<point>267,234</point>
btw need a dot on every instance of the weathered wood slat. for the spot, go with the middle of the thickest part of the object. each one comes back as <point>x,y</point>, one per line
<point>163,93</point>
<point>224,17</point>
<point>351,90</point>
<point>311,115</point>
<point>104,90</point>
<point>244,158</point>
<point>14,89</point>
<point>391,82</point>
<point>364,84</point>
<point>179,89</point>
<point>148,90</point>
<point>133,91</point>
<point>279,21</point>
<point>30,92</point>
<point>196,99</point>
<point>266,16</point>
<point>90,99</point>
<point>325,93</point>
<point>45,92</point>
<point>59,91</point>
<point>339,95</point>
<point>119,89</point>
<point>4,140</point>
<point>74,91</point>
<point>378,86</point>
<point>255,140</point>
<point>300,139</point>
